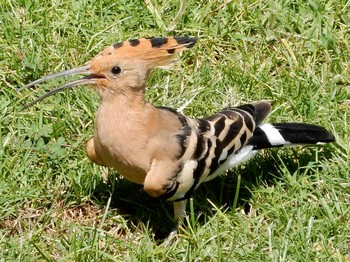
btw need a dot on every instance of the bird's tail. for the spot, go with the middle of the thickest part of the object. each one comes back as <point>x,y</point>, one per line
<point>289,134</point>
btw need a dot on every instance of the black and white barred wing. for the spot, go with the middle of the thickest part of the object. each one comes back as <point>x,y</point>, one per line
<point>213,147</point>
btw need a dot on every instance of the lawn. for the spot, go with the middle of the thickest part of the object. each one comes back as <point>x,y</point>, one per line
<point>288,204</point>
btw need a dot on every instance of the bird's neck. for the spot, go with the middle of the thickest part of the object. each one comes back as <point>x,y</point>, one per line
<point>125,110</point>
<point>125,96</point>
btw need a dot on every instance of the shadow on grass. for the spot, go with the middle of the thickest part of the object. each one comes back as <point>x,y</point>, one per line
<point>265,169</point>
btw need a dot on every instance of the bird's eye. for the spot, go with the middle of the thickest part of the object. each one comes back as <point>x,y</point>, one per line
<point>116,70</point>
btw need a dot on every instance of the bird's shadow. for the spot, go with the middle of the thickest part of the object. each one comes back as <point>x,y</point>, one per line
<point>132,202</point>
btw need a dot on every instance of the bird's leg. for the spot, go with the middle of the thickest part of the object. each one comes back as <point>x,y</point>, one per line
<point>180,210</point>
<point>179,214</point>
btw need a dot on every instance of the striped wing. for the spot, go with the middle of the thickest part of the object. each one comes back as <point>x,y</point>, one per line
<point>216,139</point>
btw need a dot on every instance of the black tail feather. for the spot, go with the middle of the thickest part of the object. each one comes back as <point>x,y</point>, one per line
<point>289,134</point>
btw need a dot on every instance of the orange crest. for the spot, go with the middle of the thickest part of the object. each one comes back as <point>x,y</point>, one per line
<point>156,50</point>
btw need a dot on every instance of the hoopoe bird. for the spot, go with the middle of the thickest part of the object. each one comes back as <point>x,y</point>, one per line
<point>167,152</point>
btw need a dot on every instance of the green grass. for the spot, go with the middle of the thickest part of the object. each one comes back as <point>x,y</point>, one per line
<point>293,204</point>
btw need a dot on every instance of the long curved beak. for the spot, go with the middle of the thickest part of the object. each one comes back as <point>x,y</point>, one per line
<point>87,80</point>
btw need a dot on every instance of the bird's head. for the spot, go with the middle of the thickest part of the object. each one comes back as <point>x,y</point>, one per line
<point>124,67</point>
